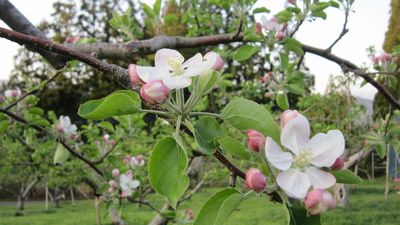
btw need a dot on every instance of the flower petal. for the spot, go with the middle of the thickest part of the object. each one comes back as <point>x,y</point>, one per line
<point>296,134</point>
<point>194,61</point>
<point>279,159</point>
<point>326,148</point>
<point>148,73</point>
<point>319,178</point>
<point>134,184</point>
<point>294,182</point>
<point>165,56</point>
<point>177,82</point>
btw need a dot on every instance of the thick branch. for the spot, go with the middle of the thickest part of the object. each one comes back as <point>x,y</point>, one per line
<point>118,73</point>
<point>18,22</point>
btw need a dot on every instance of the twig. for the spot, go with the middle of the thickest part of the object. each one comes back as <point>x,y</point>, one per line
<point>34,91</point>
<point>343,32</point>
<point>41,129</point>
<point>107,153</point>
<point>194,191</point>
<point>145,203</point>
<point>229,165</point>
<point>118,73</point>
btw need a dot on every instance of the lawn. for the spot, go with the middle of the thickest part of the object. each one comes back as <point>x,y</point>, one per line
<point>367,207</point>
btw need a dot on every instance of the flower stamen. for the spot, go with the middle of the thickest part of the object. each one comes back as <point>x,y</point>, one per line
<point>303,159</point>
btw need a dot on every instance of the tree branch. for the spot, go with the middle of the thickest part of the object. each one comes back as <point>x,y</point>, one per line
<point>16,21</point>
<point>118,73</point>
<point>106,154</point>
<point>236,171</point>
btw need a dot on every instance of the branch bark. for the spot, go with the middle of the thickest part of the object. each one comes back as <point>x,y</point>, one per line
<point>18,22</point>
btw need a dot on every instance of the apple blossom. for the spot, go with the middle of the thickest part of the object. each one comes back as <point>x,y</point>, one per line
<point>255,180</point>
<point>12,93</point>
<point>154,92</point>
<point>214,57</point>
<point>287,115</point>
<point>300,167</point>
<point>258,28</point>
<point>266,77</point>
<point>272,25</point>
<point>133,74</point>
<point>293,2</point>
<point>338,164</point>
<point>174,71</point>
<point>318,201</point>
<point>136,161</point>
<point>115,172</point>
<point>127,183</point>
<point>255,140</point>
<point>189,213</point>
<point>66,127</point>
<point>279,35</point>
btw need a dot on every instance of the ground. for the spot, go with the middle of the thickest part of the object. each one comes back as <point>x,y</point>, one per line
<point>367,207</point>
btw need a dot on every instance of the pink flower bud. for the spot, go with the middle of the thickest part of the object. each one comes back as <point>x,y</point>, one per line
<point>267,94</point>
<point>318,201</point>
<point>115,172</point>
<point>76,39</point>
<point>266,77</point>
<point>287,115</point>
<point>375,59</point>
<point>255,140</point>
<point>385,57</point>
<point>140,160</point>
<point>59,128</point>
<point>110,189</point>
<point>69,39</point>
<point>112,183</point>
<point>154,92</point>
<point>106,137</point>
<point>338,164</point>
<point>279,36</point>
<point>397,180</point>
<point>255,180</point>
<point>258,28</point>
<point>134,76</point>
<point>124,194</point>
<point>218,61</point>
<point>126,159</point>
<point>293,2</point>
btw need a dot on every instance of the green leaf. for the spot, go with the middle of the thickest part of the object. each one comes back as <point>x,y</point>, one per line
<point>3,126</point>
<point>320,14</point>
<point>106,125</point>
<point>381,150</point>
<point>245,114</point>
<point>157,7</point>
<point>232,146</point>
<point>167,170</point>
<point>284,60</point>
<point>36,111</point>
<point>346,177</point>
<point>206,130</point>
<point>245,52</point>
<point>204,83</point>
<point>284,16</point>
<point>282,100</point>
<point>148,11</point>
<point>118,103</point>
<point>61,155</point>
<point>103,188</point>
<point>261,10</point>
<point>293,45</point>
<point>298,215</point>
<point>219,207</point>
<point>39,122</point>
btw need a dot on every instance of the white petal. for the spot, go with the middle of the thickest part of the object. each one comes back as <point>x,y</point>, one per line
<point>319,178</point>
<point>294,182</point>
<point>177,82</point>
<point>279,159</point>
<point>165,55</point>
<point>134,184</point>
<point>296,134</point>
<point>148,73</point>
<point>194,61</point>
<point>326,148</point>
<point>123,186</point>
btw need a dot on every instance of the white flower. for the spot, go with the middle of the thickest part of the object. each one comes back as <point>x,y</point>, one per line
<point>127,183</point>
<point>66,126</point>
<point>173,70</point>
<point>300,166</point>
<point>134,161</point>
<point>271,25</point>
<point>12,93</point>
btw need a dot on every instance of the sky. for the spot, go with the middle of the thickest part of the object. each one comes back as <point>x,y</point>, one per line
<point>367,26</point>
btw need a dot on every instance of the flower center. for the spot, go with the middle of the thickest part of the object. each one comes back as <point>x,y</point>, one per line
<point>303,159</point>
<point>175,65</point>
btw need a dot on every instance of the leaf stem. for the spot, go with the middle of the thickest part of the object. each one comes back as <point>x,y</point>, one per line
<point>205,114</point>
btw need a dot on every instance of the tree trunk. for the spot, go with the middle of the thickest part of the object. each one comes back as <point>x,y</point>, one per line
<point>21,203</point>
<point>46,204</point>
<point>115,218</point>
<point>387,171</point>
<point>72,195</point>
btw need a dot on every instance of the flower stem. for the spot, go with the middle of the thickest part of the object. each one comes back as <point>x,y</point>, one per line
<point>155,112</point>
<point>178,124</point>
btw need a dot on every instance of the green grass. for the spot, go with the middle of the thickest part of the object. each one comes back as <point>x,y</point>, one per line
<point>367,207</point>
